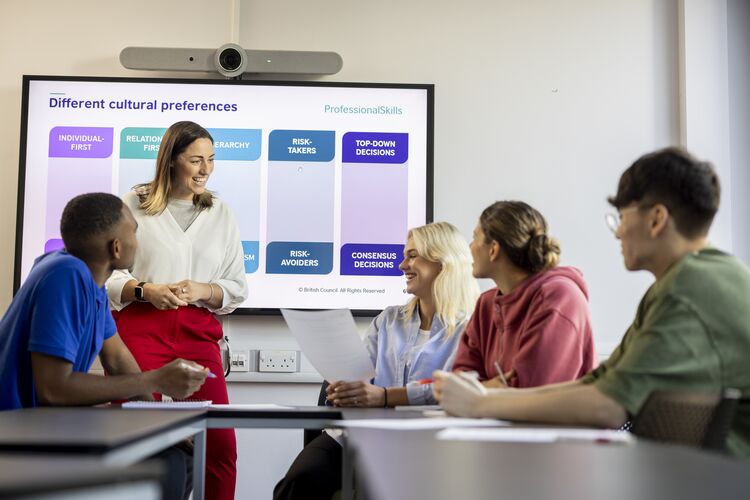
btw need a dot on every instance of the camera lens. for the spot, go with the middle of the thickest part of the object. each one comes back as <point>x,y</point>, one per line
<point>230,59</point>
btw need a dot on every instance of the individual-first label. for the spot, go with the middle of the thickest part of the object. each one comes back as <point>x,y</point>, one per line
<point>289,257</point>
<point>371,260</point>
<point>80,142</point>
<point>301,145</point>
<point>375,147</point>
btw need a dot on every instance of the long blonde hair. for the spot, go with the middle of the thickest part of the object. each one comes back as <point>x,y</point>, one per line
<point>455,291</point>
<point>154,195</point>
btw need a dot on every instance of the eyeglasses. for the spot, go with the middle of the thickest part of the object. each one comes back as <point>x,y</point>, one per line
<point>613,220</point>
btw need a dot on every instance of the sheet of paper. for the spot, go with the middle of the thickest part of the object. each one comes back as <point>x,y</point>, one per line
<point>331,342</point>
<point>255,406</point>
<point>166,405</point>
<point>408,424</point>
<point>417,407</point>
<point>536,435</point>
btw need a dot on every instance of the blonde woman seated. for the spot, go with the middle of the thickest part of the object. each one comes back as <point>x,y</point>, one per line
<point>406,344</point>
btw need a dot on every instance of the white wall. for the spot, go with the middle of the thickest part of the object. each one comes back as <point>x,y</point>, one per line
<point>738,41</point>
<point>544,101</point>
<point>704,98</point>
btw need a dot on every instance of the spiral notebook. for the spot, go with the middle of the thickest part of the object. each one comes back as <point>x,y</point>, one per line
<point>186,404</point>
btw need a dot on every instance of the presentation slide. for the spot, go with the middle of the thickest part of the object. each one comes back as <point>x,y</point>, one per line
<point>324,179</point>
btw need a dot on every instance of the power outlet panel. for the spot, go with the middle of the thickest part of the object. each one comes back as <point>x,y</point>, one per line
<point>278,361</point>
<point>240,361</point>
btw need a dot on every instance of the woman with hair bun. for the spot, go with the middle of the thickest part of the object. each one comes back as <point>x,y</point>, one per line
<point>534,328</point>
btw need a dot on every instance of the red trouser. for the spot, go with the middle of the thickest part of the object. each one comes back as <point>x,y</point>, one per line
<point>157,337</point>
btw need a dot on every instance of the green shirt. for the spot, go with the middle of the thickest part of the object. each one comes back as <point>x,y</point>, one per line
<point>692,333</point>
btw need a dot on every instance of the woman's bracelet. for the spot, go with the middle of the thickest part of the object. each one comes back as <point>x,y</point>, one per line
<point>211,286</point>
<point>385,395</point>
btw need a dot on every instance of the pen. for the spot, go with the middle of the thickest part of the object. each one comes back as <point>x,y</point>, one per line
<point>191,367</point>
<point>425,381</point>
<point>500,374</point>
<point>471,377</point>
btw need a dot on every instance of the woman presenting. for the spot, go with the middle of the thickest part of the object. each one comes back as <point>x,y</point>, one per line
<point>188,268</point>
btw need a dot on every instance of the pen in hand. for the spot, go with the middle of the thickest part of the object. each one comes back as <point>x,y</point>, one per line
<point>204,369</point>
<point>500,374</point>
<point>471,377</point>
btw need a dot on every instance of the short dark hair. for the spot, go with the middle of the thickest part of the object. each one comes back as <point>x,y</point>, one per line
<point>689,188</point>
<point>87,216</point>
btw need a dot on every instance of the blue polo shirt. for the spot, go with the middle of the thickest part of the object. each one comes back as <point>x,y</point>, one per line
<point>59,311</point>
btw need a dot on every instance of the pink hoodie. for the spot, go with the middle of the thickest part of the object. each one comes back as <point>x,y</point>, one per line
<point>541,330</point>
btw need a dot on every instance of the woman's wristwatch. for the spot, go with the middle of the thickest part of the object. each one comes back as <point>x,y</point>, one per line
<point>140,292</point>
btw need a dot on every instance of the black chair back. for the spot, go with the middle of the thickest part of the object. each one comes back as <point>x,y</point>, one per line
<point>310,434</point>
<point>693,418</point>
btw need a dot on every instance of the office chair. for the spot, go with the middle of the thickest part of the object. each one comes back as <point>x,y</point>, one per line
<point>700,419</point>
<point>310,434</point>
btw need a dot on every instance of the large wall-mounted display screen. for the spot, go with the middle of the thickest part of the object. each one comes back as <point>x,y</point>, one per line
<point>324,179</point>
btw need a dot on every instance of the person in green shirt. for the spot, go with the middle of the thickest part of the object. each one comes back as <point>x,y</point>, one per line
<point>692,327</point>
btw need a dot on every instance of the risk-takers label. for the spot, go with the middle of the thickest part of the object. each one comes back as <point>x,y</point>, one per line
<point>301,145</point>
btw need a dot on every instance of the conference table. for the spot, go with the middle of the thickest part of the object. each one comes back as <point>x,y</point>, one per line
<point>393,464</point>
<point>31,476</point>
<point>303,417</point>
<point>112,436</point>
<point>122,437</point>
<point>396,465</point>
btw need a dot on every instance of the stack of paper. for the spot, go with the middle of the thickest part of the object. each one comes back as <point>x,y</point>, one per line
<point>536,435</point>
<point>408,424</point>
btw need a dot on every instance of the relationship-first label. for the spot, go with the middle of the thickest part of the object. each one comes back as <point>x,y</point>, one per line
<point>290,257</point>
<point>80,142</point>
<point>229,143</point>
<point>375,147</point>
<point>371,259</point>
<point>301,145</point>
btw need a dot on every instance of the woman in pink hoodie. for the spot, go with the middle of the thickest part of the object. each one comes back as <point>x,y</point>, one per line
<point>534,328</point>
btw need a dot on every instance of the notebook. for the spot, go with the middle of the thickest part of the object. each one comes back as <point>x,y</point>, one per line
<point>188,404</point>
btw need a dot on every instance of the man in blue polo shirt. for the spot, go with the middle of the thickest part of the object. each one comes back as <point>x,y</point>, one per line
<point>59,320</point>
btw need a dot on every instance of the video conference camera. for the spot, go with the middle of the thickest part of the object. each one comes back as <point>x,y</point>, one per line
<point>231,60</point>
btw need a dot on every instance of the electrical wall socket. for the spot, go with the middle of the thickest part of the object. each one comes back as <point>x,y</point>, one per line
<point>278,361</point>
<point>240,361</point>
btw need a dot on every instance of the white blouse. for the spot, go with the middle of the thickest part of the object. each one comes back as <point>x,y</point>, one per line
<point>209,251</point>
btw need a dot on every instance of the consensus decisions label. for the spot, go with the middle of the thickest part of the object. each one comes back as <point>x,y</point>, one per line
<point>359,259</point>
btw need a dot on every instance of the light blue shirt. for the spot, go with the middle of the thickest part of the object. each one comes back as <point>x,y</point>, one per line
<point>402,355</point>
